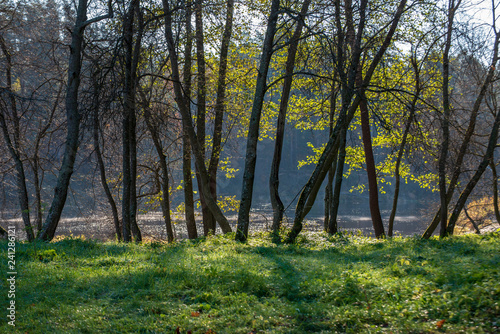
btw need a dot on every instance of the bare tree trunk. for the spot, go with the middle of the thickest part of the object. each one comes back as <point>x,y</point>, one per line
<point>73,118</point>
<point>478,231</point>
<point>466,140</point>
<point>165,199</point>
<point>446,118</point>
<point>276,202</point>
<point>132,52</point>
<point>402,146</point>
<point>186,116</point>
<point>495,189</point>
<point>492,143</point>
<point>186,151</point>
<point>253,130</point>
<point>339,176</point>
<point>102,172</point>
<point>208,219</point>
<point>14,145</point>
<point>220,102</point>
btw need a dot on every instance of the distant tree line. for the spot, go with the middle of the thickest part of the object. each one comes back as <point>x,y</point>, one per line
<point>406,90</point>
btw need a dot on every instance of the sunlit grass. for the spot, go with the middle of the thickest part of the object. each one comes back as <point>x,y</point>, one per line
<point>322,284</point>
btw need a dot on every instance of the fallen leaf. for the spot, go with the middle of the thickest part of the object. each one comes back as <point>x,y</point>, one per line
<point>440,323</point>
<point>195,314</point>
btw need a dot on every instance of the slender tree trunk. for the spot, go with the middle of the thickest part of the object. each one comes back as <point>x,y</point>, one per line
<point>331,172</point>
<point>402,146</point>
<point>487,158</point>
<point>14,146</point>
<point>310,190</point>
<point>201,92</point>
<point>276,202</point>
<point>186,116</point>
<point>445,120</point>
<point>165,199</point>
<point>132,52</point>
<point>466,140</point>
<point>186,151</point>
<point>478,231</point>
<point>253,130</point>
<point>495,189</point>
<point>73,118</point>
<point>102,172</point>
<point>339,176</point>
<point>220,101</point>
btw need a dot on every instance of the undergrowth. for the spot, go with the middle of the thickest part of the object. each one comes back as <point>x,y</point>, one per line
<point>321,284</point>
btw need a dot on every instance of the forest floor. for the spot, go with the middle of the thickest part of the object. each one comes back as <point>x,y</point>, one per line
<point>321,284</point>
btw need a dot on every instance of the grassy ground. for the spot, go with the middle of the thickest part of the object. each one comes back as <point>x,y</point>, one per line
<point>320,285</point>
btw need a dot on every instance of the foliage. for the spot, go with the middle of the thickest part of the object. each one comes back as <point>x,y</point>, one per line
<point>343,283</point>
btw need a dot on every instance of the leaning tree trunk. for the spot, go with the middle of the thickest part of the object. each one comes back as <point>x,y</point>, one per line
<point>402,146</point>
<point>467,139</point>
<point>182,104</point>
<point>102,172</point>
<point>253,129</point>
<point>276,202</point>
<point>165,199</point>
<point>308,194</point>
<point>14,145</point>
<point>201,107</point>
<point>487,158</point>
<point>73,118</point>
<point>220,101</point>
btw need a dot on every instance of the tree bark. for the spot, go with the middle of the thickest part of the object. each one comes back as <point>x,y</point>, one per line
<point>220,101</point>
<point>186,116</point>
<point>165,199</point>
<point>466,140</point>
<point>14,145</point>
<point>73,119</point>
<point>492,143</point>
<point>402,146</point>
<point>253,130</point>
<point>102,173</point>
<point>276,202</point>
<point>186,151</point>
<point>495,189</point>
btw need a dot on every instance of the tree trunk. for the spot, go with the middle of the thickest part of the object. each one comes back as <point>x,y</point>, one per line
<point>14,146</point>
<point>201,92</point>
<point>466,140</point>
<point>339,176</point>
<point>276,202</point>
<point>186,116</point>
<point>487,158</point>
<point>401,150</point>
<point>132,52</point>
<point>102,172</point>
<point>186,151</point>
<point>308,194</point>
<point>253,130</point>
<point>220,102</point>
<point>495,188</point>
<point>165,199</point>
<point>73,119</point>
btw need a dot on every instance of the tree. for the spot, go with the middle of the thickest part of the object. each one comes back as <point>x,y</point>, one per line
<point>73,118</point>
<point>253,130</point>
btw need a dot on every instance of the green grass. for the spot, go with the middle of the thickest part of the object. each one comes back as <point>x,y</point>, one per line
<point>320,285</point>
